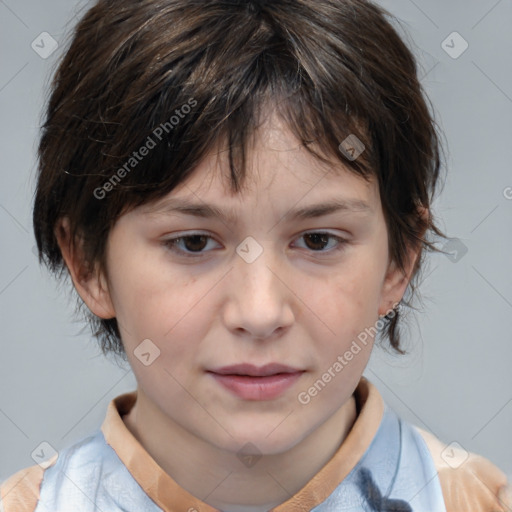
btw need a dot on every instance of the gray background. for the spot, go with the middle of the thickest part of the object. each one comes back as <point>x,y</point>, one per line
<point>457,382</point>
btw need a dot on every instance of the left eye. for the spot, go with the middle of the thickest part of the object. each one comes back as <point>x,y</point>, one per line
<point>195,243</point>
<point>321,238</point>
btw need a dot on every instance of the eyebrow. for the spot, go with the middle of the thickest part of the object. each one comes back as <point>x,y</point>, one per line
<point>205,210</point>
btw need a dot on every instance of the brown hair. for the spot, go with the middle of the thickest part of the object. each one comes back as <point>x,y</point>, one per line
<point>195,72</point>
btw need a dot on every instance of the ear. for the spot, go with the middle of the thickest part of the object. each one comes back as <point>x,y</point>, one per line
<point>396,281</point>
<point>91,285</point>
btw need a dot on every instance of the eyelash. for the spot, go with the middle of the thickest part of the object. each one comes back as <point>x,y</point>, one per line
<point>172,242</point>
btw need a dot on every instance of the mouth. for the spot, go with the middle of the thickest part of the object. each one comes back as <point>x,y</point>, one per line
<point>251,382</point>
<point>250,370</point>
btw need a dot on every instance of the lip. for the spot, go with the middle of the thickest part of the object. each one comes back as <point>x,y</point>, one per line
<point>247,369</point>
<point>251,382</point>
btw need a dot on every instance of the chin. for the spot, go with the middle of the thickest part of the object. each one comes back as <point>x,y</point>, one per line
<point>267,439</point>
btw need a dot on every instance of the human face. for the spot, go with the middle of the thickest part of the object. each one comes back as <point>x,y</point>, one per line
<point>256,291</point>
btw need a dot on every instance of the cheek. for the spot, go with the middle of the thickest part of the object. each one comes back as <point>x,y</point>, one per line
<point>345,307</point>
<point>149,296</point>
<point>174,318</point>
<point>347,297</point>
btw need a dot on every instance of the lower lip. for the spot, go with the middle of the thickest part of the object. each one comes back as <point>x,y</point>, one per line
<point>258,388</point>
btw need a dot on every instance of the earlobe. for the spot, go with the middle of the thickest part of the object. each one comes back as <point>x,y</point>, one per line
<point>91,285</point>
<point>396,280</point>
<point>393,288</point>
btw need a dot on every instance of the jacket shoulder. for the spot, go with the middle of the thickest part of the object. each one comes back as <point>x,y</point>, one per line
<point>20,492</point>
<point>469,481</point>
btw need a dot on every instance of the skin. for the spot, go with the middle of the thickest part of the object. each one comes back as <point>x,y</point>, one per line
<point>300,303</point>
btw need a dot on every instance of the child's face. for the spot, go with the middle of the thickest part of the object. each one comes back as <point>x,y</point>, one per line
<point>300,303</point>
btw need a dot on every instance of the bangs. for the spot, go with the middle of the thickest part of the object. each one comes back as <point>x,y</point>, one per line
<point>147,89</point>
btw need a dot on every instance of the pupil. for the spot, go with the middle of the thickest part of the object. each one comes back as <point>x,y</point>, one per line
<point>195,237</point>
<point>322,237</point>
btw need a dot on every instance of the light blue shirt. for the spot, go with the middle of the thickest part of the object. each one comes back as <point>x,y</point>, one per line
<point>395,474</point>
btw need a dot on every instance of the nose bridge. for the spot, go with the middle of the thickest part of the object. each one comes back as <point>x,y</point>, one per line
<point>259,298</point>
<point>254,261</point>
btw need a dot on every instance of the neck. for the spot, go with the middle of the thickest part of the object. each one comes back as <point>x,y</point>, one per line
<point>214,475</point>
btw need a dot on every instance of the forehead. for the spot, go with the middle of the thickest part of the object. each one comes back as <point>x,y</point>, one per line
<point>278,166</point>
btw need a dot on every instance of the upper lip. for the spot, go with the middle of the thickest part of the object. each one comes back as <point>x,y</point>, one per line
<point>255,371</point>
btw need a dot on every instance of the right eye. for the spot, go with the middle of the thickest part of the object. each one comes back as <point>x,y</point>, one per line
<point>191,245</point>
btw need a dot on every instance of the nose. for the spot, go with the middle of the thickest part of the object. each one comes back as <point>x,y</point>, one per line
<point>260,300</point>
